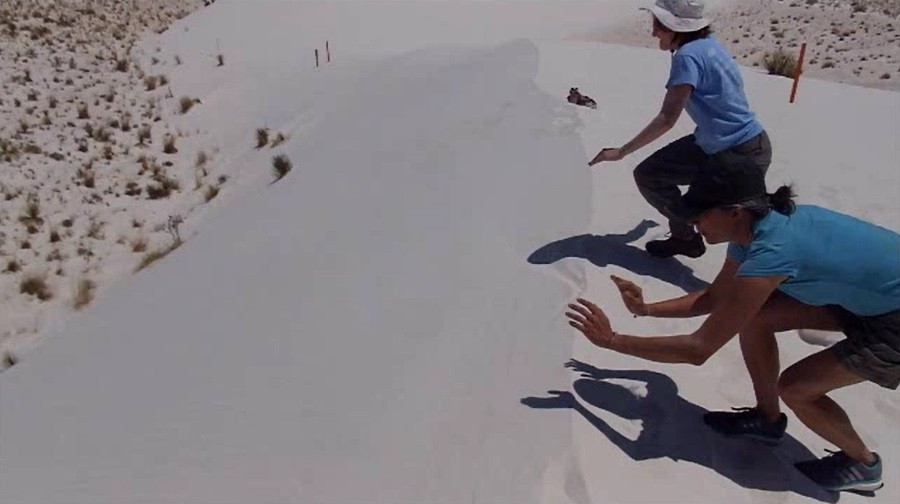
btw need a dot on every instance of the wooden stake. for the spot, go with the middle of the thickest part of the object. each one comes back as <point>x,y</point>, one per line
<point>317,58</point>
<point>798,71</point>
<point>327,53</point>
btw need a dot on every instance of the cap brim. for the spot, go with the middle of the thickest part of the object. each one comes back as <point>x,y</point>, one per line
<point>675,23</point>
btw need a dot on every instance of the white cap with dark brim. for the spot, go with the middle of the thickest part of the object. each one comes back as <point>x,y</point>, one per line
<point>680,16</point>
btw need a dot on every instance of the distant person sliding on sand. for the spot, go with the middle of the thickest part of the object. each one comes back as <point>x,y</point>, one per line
<point>787,267</point>
<point>704,80</point>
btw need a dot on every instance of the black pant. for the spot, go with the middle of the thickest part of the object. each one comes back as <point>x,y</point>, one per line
<point>659,176</point>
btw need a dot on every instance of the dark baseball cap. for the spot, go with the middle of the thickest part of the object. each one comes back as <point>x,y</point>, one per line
<point>724,179</point>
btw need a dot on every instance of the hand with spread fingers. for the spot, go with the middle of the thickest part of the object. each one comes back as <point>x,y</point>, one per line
<point>632,296</point>
<point>592,322</point>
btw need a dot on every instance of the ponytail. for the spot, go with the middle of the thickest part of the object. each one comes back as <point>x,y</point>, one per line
<point>782,200</point>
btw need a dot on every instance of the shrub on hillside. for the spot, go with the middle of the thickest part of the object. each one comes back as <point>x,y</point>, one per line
<point>780,62</point>
<point>281,165</point>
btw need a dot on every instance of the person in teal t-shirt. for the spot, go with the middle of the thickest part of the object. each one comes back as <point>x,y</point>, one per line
<point>788,267</point>
<point>705,81</point>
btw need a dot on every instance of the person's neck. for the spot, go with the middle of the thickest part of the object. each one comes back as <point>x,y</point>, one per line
<point>744,231</point>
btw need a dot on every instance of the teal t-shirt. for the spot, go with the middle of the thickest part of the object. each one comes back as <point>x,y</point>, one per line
<point>830,259</point>
<point>717,104</point>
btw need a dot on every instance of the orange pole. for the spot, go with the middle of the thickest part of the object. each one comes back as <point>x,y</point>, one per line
<point>798,71</point>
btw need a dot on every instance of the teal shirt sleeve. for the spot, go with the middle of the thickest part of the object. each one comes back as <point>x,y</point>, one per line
<point>736,252</point>
<point>766,259</point>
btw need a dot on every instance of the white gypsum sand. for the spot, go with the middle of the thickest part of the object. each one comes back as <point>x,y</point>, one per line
<point>385,322</point>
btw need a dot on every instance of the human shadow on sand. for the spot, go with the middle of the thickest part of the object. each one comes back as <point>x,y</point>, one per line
<point>615,249</point>
<point>673,427</point>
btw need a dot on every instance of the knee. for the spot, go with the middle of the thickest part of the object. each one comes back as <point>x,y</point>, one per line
<point>793,391</point>
<point>645,172</point>
<point>762,323</point>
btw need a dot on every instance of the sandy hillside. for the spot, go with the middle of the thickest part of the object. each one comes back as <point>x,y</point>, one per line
<point>849,42</point>
<point>86,189</point>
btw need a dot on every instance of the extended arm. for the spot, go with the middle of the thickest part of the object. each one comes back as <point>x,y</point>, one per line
<point>745,298</point>
<point>673,104</point>
<point>700,302</point>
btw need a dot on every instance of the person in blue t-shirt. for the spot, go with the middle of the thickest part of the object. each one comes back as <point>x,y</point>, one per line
<point>788,267</point>
<point>705,81</point>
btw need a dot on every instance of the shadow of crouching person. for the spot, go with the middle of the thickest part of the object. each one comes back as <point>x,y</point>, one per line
<point>673,428</point>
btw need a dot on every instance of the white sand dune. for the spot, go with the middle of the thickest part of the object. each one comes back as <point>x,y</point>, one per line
<point>385,323</point>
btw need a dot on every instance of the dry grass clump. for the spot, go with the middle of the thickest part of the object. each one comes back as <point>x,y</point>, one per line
<point>169,144</point>
<point>84,293</point>
<point>262,137</point>
<point>143,134</point>
<point>36,285</point>
<point>780,62</point>
<point>186,103</point>
<point>281,165</point>
<point>151,257</point>
<point>210,193</point>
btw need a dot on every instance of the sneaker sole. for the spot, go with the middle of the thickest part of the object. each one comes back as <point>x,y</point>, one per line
<point>859,488</point>
<point>752,437</point>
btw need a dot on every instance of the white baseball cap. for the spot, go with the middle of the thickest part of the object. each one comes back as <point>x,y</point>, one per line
<point>680,15</point>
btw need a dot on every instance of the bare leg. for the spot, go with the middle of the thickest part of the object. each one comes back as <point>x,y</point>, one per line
<point>760,350</point>
<point>803,387</point>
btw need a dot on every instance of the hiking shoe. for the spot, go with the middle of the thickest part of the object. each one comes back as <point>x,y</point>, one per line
<point>747,423</point>
<point>838,472</point>
<point>690,247</point>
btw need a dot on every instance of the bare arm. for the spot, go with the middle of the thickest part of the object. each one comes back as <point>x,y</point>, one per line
<point>673,104</point>
<point>742,302</point>
<point>700,302</point>
<point>745,298</point>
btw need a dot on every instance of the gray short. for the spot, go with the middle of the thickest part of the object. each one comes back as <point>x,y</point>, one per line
<point>872,347</point>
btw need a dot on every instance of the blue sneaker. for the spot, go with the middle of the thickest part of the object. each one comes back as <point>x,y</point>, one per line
<point>838,472</point>
<point>747,423</point>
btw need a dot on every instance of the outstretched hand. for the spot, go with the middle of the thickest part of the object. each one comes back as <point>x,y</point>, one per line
<point>607,154</point>
<point>632,296</point>
<point>592,322</point>
<point>557,399</point>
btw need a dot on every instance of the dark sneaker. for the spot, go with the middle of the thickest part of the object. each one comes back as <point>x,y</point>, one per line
<point>691,247</point>
<point>747,423</point>
<point>838,472</point>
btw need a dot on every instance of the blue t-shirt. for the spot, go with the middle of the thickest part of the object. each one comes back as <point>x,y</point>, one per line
<point>717,104</point>
<point>831,259</point>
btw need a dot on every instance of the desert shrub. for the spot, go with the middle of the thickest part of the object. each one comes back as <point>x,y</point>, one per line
<point>139,244</point>
<point>186,102</point>
<point>84,293</point>
<point>83,112</point>
<point>143,134</point>
<point>780,62</point>
<point>262,137</point>
<point>281,165</point>
<point>12,266</point>
<point>169,144</point>
<point>211,192</point>
<point>36,285</point>
<point>31,215</point>
<point>150,82</point>
<point>151,257</point>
